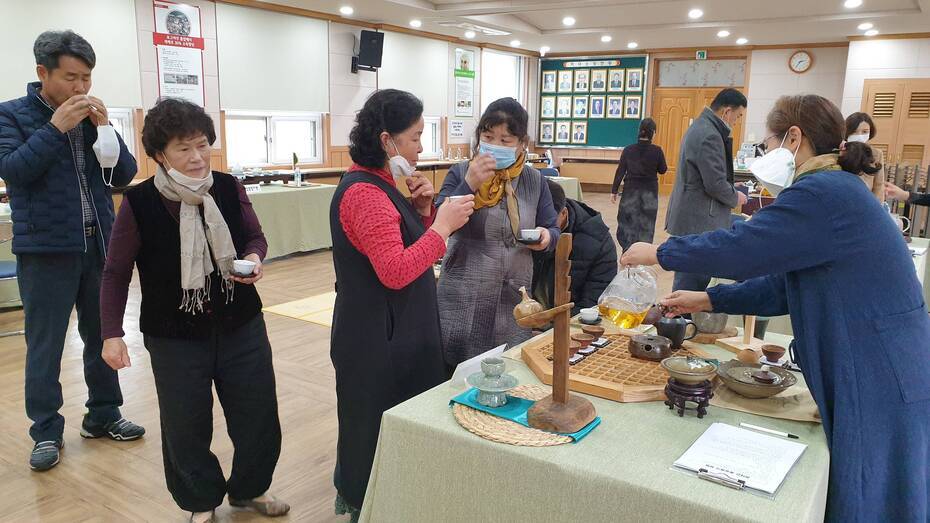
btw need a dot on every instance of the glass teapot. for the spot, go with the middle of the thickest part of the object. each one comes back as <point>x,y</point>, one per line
<point>629,296</point>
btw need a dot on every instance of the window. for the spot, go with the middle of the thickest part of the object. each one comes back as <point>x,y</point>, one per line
<point>255,139</point>
<point>121,120</point>
<point>431,138</point>
<point>501,76</point>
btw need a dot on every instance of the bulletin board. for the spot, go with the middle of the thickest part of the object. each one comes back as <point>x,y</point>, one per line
<point>605,99</point>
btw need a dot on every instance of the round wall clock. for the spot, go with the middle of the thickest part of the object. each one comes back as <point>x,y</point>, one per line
<point>800,62</point>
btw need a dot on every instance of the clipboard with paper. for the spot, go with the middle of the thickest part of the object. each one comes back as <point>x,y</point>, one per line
<point>741,459</point>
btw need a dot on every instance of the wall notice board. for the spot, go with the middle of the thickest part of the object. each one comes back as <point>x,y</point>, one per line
<point>591,102</point>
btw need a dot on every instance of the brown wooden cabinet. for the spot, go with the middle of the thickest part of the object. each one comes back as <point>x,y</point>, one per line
<point>900,109</point>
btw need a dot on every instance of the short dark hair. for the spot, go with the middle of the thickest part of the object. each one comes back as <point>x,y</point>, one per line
<point>728,97</point>
<point>388,110</point>
<point>172,118</point>
<point>853,121</point>
<point>647,129</point>
<point>52,45</point>
<point>505,111</point>
<point>558,195</point>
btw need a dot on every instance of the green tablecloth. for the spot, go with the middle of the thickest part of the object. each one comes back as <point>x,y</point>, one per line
<point>428,469</point>
<point>571,187</point>
<point>294,219</point>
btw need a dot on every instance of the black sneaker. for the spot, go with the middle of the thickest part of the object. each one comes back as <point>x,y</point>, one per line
<point>119,430</point>
<point>45,455</point>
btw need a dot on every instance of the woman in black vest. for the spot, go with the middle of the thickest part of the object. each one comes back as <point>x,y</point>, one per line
<point>640,165</point>
<point>385,343</point>
<point>201,324</point>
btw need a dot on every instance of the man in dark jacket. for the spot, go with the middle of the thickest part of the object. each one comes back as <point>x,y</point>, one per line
<point>704,194</point>
<point>594,254</point>
<point>62,212</point>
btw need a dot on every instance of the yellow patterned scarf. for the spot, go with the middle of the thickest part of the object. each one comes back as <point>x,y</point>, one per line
<point>490,193</point>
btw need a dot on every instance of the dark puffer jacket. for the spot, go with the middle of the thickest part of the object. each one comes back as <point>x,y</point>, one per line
<point>594,259</point>
<point>42,182</point>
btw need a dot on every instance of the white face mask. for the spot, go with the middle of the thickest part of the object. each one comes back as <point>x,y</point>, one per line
<point>863,138</point>
<point>775,170</point>
<point>106,148</point>
<point>400,167</point>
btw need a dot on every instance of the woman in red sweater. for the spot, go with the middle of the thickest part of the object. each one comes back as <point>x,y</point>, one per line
<point>385,343</point>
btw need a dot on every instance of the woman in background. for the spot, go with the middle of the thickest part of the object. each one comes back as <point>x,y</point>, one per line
<point>640,165</point>
<point>861,128</point>
<point>486,265</point>
<point>385,343</point>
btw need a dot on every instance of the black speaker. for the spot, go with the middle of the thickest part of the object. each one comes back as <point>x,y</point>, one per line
<point>370,46</point>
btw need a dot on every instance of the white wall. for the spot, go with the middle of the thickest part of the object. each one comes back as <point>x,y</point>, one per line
<point>271,61</point>
<point>418,65</point>
<point>882,59</point>
<point>109,26</point>
<point>348,91</point>
<point>770,78</point>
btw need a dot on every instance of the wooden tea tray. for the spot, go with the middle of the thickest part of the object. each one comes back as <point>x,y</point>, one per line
<point>611,372</point>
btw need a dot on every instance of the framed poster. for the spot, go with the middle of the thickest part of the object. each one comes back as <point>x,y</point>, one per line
<point>634,80</point>
<point>564,107</point>
<point>562,134</point>
<point>597,107</point>
<point>565,81</point>
<point>464,82</point>
<point>617,80</point>
<point>579,132</point>
<point>179,45</point>
<point>582,76</point>
<point>614,107</point>
<point>548,82</point>
<point>546,131</point>
<point>580,107</point>
<point>598,80</point>
<point>548,107</point>
<point>633,107</point>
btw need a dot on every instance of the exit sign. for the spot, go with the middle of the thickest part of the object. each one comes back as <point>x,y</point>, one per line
<point>700,55</point>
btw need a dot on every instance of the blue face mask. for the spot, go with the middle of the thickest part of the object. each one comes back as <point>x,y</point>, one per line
<point>504,156</point>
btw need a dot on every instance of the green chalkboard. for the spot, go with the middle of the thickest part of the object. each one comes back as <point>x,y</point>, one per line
<point>605,98</point>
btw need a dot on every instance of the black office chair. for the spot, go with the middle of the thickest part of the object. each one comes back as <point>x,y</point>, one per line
<point>8,272</point>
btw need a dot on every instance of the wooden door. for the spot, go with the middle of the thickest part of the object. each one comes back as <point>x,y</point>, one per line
<point>673,110</point>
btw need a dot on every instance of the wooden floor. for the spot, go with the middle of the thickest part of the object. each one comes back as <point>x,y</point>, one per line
<point>104,481</point>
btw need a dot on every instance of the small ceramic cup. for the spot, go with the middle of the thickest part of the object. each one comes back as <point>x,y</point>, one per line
<point>243,268</point>
<point>590,314</point>
<point>492,366</point>
<point>530,235</point>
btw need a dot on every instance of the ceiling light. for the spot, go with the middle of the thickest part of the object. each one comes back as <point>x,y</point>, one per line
<point>346,10</point>
<point>741,41</point>
<point>865,26</point>
<point>568,21</point>
<point>416,24</point>
<point>852,4</point>
<point>543,50</point>
<point>469,34</point>
<point>606,38</point>
<point>694,14</point>
<point>871,32</point>
<point>632,45</point>
<point>723,34</point>
<point>514,43</point>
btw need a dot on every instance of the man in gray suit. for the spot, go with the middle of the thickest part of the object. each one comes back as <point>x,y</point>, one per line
<point>704,194</point>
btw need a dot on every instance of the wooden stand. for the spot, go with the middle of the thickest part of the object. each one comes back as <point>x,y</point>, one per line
<point>747,341</point>
<point>561,411</point>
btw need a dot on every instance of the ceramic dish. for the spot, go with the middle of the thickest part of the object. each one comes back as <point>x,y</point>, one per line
<point>738,377</point>
<point>689,370</point>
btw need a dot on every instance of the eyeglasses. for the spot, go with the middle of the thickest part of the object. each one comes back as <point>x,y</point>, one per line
<point>763,145</point>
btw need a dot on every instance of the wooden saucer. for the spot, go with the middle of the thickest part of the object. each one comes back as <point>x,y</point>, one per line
<point>706,338</point>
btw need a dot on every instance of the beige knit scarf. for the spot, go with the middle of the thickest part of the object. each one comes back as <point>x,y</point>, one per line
<point>197,239</point>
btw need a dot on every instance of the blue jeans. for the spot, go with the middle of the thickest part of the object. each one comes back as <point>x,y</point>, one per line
<point>50,286</point>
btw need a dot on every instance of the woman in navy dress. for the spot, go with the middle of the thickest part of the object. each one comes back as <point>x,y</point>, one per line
<point>828,254</point>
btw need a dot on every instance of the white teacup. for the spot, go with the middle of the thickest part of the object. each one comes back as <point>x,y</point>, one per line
<point>243,268</point>
<point>459,197</point>
<point>530,235</point>
<point>590,314</point>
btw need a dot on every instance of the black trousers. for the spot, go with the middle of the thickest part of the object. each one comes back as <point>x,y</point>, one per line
<point>238,362</point>
<point>51,286</point>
